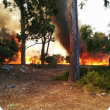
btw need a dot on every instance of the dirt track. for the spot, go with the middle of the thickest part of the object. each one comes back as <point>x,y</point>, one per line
<point>36,91</point>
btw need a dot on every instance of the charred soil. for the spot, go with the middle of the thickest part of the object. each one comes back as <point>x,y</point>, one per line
<point>33,89</point>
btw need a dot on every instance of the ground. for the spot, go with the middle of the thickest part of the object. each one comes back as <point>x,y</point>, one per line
<point>34,90</point>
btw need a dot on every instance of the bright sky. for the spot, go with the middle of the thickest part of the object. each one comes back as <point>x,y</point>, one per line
<point>95,14</point>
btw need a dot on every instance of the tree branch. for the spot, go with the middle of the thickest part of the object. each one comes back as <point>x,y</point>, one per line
<point>35,44</point>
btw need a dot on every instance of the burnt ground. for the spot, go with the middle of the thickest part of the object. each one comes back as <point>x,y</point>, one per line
<point>34,90</point>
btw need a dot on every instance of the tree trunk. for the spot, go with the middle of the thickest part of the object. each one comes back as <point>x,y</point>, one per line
<point>74,43</point>
<point>48,45</point>
<point>23,37</point>
<point>42,53</point>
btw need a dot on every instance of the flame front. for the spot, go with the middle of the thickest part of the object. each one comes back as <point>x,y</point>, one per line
<point>84,58</point>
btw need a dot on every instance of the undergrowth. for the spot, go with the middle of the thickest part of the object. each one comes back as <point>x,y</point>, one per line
<point>63,77</point>
<point>96,79</point>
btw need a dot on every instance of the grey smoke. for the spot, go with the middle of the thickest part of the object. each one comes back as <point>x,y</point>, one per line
<point>62,24</point>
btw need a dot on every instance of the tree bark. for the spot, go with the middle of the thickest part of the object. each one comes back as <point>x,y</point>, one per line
<point>48,45</point>
<point>23,36</point>
<point>74,43</point>
<point>43,53</point>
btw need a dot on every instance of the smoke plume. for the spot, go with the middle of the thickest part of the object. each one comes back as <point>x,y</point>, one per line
<point>62,24</point>
<point>9,22</point>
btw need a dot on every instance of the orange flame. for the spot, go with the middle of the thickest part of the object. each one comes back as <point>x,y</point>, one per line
<point>85,59</point>
<point>82,61</point>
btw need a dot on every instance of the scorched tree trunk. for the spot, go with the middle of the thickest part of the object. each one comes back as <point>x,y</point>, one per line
<point>23,36</point>
<point>74,43</point>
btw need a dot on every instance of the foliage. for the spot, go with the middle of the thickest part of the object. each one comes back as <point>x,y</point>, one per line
<point>59,58</point>
<point>96,42</point>
<point>51,61</point>
<point>97,79</point>
<point>94,79</point>
<point>54,60</point>
<point>36,16</point>
<point>82,4</point>
<point>7,49</point>
<point>40,27</point>
<point>67,59</point>
<point>86,31</point>
<point>83,71</point>
<point>63,76</point>
<point>27,13</point>
<point>12,105</point>
<point>106,3</point>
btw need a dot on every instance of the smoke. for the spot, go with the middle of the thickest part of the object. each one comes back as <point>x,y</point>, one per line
<point>61,23</point>
<point>62,27</point>
<point>9,21</point>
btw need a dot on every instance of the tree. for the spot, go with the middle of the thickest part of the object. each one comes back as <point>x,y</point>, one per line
<point>86,31</point>
<point>26,7</point>
<point>106,3</point>
<point>40,27</point>
<point>74,43</point>
<point>8,48</point>
<point>96,42</point>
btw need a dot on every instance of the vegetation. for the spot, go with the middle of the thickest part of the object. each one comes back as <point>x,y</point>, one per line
<point>8,48</point>
<point>54,60</point>
<point>27,13</point>
<point>95,79</point>
<point>41,28</point>
<point>96,42</point>
<point>67,59</point>
<point>51,61</point>
<point>62,77</point>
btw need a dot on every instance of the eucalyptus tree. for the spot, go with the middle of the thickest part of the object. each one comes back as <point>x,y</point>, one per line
<point>74,43</point>
<point>41,28</point>
<point>96,42</point>
<point>26,9</point>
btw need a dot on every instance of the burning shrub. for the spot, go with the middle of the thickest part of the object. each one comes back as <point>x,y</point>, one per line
<point>7,50</point>
<point>54,60</point>
<point>5,53</point>
<point>35,62</point>
<point>51,61</point>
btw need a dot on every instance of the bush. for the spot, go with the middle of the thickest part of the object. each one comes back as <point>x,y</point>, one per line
<point>83,71</point>
<point>63,77</point>
<point>96,81</point>
<point>67,59</point>
<point>51,61</point>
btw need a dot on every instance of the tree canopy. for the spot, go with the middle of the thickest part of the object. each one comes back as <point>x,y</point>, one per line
<point>8,48</point>
<point>96,42</point>
<point>40,27</point>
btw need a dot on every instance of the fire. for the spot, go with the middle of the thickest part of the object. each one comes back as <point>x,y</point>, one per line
<point>96,59</point>
<point>84,59</point>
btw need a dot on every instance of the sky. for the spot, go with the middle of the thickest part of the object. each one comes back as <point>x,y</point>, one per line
<point>95,14</point>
